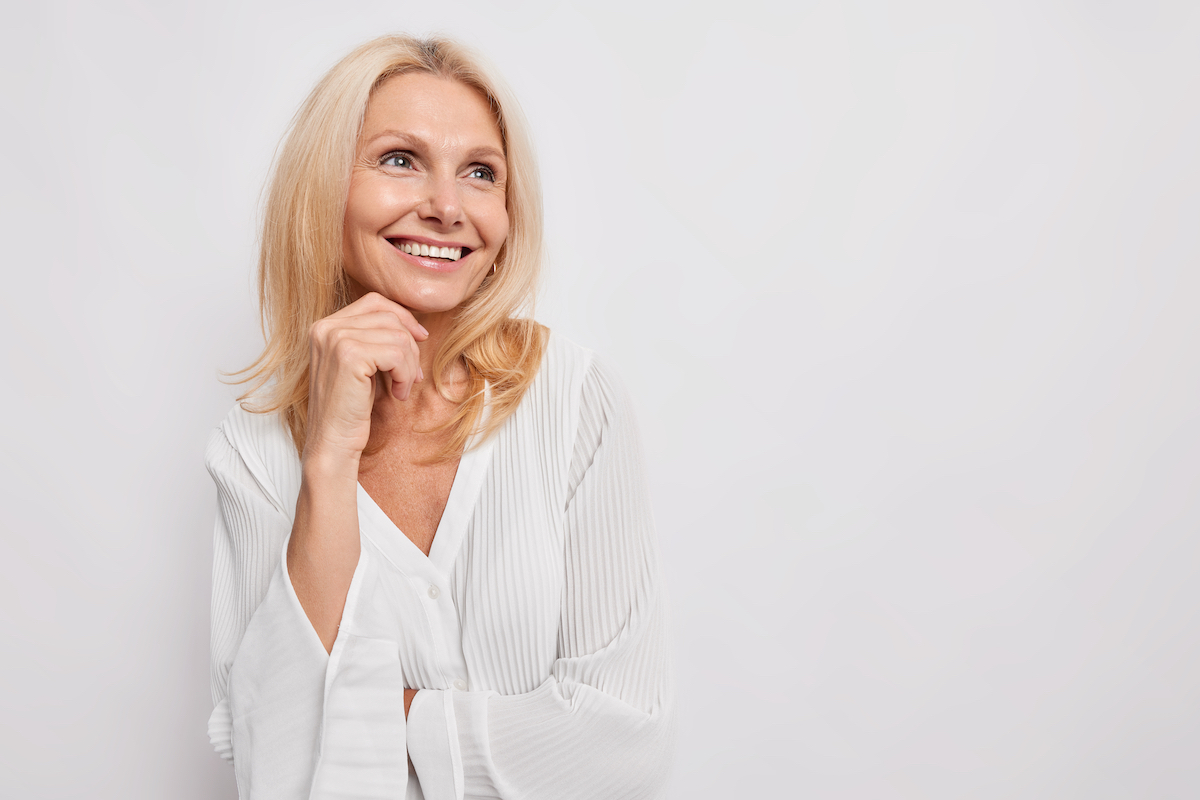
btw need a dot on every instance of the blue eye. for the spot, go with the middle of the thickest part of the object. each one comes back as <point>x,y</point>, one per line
<point>402,160</point>
<point>483,173</point>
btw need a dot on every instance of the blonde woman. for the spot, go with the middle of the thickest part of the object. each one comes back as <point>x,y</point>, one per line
<point>435,572</point>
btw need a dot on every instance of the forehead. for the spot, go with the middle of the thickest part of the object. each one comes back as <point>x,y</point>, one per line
<point>433,109</point>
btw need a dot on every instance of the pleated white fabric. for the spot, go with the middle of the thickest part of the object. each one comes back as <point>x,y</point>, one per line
<point>535,628</point>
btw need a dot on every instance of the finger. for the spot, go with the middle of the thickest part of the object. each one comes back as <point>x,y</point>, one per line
<point>361,355</point>
<point>377,319</point>
<point>358,349</point>
<point>408,372</point>
<point>416,354</point>
<point>401,391</point>
<point>404,378</point>
<point>374,302</point>
<point>396,338</point>
<point>401,383</point>
<point>348,344</point>
<point>391,353</point>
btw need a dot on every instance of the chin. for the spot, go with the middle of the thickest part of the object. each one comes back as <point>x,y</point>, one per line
<point>432,302</point>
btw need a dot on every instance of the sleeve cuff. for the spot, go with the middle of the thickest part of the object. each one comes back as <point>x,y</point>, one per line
<point>448,744</point>
<point>276,691</point>
<point>433,745</point>
<point>220,730</point>
<point>310,724</point>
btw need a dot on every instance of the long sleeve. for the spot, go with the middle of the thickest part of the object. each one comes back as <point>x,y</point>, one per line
<point>294,723</point>
<point>601,724</point>
<point>534,628</point>
<point>250,529</point>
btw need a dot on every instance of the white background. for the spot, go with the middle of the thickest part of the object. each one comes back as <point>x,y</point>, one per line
<point>906,294</point>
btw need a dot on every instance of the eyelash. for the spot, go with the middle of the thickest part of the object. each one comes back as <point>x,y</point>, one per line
<point>489,173</point>
<point>396,154</point>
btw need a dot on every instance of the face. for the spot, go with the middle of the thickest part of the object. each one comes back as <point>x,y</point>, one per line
<point>426,212</point>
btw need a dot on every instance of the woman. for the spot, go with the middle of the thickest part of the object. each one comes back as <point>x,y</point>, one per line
<point>434,571</point>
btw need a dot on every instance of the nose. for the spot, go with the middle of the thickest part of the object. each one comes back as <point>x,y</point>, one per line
<point>442,205</point>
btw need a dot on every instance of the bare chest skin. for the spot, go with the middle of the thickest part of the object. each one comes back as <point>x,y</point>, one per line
<point>398,469</point>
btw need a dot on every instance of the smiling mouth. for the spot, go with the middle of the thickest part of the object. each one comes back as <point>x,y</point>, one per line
<point>427,251</point>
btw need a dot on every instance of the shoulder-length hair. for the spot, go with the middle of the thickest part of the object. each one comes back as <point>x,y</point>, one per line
<point>300,268</point>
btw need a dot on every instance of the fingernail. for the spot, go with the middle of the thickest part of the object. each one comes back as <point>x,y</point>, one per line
<point>422,327</point>
<point>420,374</point>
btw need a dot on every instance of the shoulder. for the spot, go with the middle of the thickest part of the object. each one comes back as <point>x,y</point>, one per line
<point>593,401</point>
<point>601,431</point>
<point>573,378</point>
<point>249,447</point>
<point>563,357</point>
<point>253,435</point>
<point>575,394</point>
<point>560,374</point>
<point>245,428</point>
<point>586,380</point>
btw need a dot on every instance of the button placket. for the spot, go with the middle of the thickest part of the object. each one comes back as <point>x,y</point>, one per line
<point>444,625</point>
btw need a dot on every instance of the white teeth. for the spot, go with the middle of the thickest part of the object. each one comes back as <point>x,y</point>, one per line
<point>449,253</point>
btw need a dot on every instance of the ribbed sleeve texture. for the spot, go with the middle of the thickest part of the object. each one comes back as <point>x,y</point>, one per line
<point>534,630</point>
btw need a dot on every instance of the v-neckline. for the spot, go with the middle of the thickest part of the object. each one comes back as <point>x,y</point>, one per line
<point>377,526</point>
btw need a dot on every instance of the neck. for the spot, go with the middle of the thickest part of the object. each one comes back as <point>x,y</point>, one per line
<point>439,325</point>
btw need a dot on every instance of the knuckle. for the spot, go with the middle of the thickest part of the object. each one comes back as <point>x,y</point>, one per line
<point>344,348</point>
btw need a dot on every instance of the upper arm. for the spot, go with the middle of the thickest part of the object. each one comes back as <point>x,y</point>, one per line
<point>248,535</point>
<point>613,600</point>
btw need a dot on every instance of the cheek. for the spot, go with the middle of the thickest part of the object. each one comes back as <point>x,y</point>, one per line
<point>497,225</point>
<point>372,205</point>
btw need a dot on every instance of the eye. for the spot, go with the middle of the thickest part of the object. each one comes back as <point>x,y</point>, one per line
<point>397,159</point>
<point>483,173</point>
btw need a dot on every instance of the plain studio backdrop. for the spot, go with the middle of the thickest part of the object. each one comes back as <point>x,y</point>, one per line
<point>906,295</point>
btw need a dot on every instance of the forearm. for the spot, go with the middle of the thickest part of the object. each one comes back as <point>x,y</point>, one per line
<point>563,739</point>
<point>323,550</point>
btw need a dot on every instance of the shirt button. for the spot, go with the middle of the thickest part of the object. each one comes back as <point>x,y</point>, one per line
<point>460,684</point>
<point>434,592</point>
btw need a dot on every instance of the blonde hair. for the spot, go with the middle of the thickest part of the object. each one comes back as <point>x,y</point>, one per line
<point>300,274</point>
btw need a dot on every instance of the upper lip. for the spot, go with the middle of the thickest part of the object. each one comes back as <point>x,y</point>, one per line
<point>428,241</point>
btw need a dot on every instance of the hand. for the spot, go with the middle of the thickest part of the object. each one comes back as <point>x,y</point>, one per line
<point>348,348</point>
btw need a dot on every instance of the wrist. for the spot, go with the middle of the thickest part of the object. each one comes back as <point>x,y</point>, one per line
<point>325,467</point>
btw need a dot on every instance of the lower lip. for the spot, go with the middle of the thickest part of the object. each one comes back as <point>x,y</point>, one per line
<point>437,265</point>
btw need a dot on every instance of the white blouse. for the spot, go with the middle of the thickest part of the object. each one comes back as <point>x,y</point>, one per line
<point>535,628</point>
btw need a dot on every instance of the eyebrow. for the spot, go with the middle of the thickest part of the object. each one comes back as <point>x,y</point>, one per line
<point>478,152</point>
